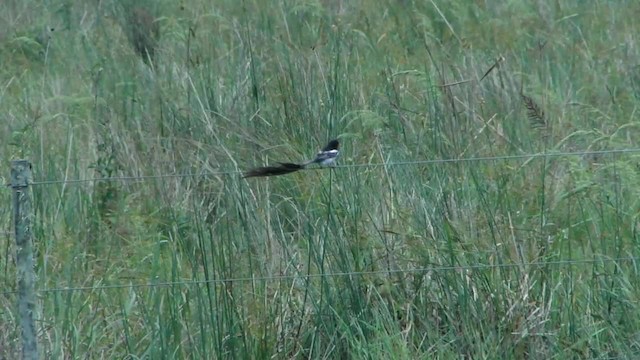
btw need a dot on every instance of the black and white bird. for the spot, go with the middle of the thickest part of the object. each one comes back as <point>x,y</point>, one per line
<point>325,157</point>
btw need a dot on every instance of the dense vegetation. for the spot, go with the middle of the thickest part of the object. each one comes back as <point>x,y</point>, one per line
<point>389,255</point>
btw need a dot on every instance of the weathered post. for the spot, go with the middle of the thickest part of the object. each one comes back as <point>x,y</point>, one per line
<point>22,216</point>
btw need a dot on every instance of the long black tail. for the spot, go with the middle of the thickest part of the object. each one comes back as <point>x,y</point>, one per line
<point>282,169</point>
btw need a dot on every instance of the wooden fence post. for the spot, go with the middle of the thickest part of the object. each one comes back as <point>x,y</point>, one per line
<point>22,216</point>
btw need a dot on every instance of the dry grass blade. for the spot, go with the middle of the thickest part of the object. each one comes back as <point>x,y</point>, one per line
<point>495,65</point>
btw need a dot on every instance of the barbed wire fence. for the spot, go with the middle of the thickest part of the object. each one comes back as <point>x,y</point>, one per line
<point>21,181</point>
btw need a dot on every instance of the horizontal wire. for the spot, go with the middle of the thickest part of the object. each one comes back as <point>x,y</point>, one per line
<point>401,163</point>
<point>397,163</point>
<point>338,274</point>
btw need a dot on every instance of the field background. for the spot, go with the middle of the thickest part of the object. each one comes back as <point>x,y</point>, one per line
<point>386,256</point>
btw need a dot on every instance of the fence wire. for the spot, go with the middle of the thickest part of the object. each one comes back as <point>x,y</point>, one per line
<point>470,267</point>
<point>345,166</point>
<point>341,274</point>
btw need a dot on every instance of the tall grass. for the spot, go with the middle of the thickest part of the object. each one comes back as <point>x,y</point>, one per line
<point>351,262</point>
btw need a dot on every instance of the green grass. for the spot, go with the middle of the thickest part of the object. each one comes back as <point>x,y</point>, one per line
<point>506,258</point>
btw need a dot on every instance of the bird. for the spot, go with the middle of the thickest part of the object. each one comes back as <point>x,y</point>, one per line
<point>325,157</point>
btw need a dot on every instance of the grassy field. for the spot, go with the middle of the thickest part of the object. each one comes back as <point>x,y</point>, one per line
<point>509,255</point>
